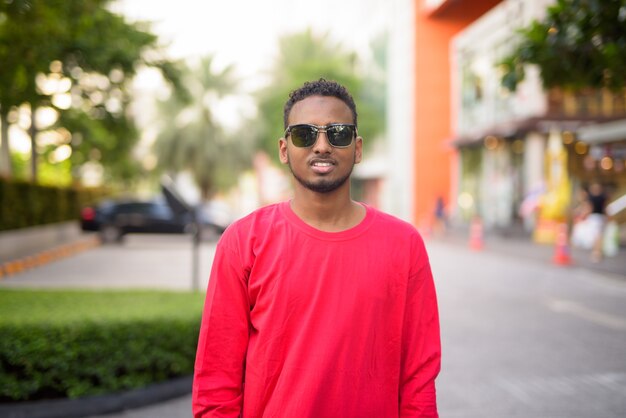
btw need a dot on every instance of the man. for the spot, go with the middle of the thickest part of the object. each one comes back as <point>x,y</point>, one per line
<point>319,306</point>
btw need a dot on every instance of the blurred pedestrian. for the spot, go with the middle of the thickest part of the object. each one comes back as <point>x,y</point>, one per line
<point>441,218</point>
<point>597,202</point>
<point>589,220</point>
<point>319,306</point>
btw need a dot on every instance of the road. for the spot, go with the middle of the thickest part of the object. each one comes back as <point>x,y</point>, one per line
<point>521,338</point>
<point>524,339</point>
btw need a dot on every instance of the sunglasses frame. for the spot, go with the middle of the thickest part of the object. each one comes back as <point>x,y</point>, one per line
<point>324,129</point>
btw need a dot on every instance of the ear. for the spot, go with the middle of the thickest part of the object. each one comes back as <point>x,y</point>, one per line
<point>358,151</point>
<point>282,151</point>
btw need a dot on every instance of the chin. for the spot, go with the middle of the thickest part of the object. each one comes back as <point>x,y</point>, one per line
<point>323,185</point>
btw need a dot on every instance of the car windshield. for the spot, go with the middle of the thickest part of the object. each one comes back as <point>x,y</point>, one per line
<point>145,208</point>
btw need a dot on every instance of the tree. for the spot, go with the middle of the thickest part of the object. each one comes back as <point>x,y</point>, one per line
<point>90,42</point>
<point>579,44</point>
<point>305,57</point>
<point>192,140</point>
<point>24,51</point>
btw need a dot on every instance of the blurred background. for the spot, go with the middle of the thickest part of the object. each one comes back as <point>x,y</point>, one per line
<point>496,127</point>
<point>468,111</point>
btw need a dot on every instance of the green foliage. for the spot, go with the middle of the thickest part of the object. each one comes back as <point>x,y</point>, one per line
<point>20,162</point>
<point>580,43</point>
<point>77,343</point>
<point>107,140</point>
<point>24,49</point>
<point>24,204</point>
<point>306,57</point>
<point>55,174</point>
<point>91,43</point>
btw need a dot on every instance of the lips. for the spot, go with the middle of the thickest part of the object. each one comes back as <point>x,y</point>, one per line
<point>321,166</point>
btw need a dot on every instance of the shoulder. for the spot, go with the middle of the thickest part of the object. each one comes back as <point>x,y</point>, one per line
<point>257,223</point>
<point>261,215</point>
<point>393,232</point>
<point>396,232</point>
<point>393,224</point>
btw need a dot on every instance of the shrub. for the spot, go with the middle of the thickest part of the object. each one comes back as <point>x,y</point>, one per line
<point>24,204</point>
<point>57,344</point>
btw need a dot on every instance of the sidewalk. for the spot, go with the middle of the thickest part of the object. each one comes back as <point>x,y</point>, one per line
<point>520,245</point>
<point>27,248</point>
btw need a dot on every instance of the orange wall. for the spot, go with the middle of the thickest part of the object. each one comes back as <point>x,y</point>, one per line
<point>433,157</point>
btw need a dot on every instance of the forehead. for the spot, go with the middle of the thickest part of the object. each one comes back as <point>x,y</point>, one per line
<point>320,110</point>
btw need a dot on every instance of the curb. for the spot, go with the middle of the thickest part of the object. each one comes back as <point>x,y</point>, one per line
<point>20,265</point>
<point>101,404</point>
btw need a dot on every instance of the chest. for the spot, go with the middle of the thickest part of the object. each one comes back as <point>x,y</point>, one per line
<point>304,278</point>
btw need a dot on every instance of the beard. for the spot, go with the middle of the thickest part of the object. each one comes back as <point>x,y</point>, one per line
<point>322,185</point>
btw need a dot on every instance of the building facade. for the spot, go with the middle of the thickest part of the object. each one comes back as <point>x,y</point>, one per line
<point>510,158</point>
<point>435,161</point>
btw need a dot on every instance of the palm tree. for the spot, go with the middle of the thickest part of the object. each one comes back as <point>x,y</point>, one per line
<point>191,139</point>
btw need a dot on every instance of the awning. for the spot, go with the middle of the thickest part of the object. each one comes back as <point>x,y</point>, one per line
<point>588,130</point>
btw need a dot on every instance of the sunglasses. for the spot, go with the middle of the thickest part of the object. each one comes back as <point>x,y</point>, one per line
<point>340,135</point>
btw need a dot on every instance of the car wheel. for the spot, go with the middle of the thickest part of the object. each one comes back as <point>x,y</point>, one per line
<point>110,234</point>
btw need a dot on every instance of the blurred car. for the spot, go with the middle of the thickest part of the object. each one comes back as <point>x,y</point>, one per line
<point>114,219</point>
<point>216,214</point>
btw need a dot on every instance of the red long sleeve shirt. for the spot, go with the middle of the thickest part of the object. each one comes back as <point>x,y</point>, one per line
<point>304,323</point>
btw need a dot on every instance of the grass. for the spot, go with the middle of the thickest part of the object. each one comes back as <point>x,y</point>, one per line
<point>21,307</point>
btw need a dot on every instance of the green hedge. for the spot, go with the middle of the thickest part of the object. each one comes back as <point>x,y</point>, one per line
<point>57,344</point>
<point>24,204</point>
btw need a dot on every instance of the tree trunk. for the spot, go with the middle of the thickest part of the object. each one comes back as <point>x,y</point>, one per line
<point>206,190</point>
<point>6,168</point>
<point>32,131</point>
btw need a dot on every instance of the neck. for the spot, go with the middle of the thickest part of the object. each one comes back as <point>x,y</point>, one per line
<point>329,212</point>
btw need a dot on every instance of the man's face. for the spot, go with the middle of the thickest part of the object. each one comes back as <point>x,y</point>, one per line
<point>321,168</point>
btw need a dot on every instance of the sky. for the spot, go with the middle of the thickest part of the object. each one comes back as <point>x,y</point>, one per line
<point>245,32</point>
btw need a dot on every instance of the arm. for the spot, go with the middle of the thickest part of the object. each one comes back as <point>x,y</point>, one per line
<point>223,340</point>
<point>421,346</point>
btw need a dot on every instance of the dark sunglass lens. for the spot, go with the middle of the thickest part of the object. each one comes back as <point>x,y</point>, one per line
<point>340,135</point>
<point>303,136</point>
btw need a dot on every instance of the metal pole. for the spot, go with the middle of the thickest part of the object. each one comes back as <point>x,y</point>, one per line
<point>195,273</point>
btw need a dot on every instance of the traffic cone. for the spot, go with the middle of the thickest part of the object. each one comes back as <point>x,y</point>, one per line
<point>561,249</point>
<point>476,235</point>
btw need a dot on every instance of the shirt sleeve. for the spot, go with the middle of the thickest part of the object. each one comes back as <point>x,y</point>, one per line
<point>223,340</point>
<point>421,345</point>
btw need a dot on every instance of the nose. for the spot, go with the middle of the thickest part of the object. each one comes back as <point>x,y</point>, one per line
<point>322,146</point>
